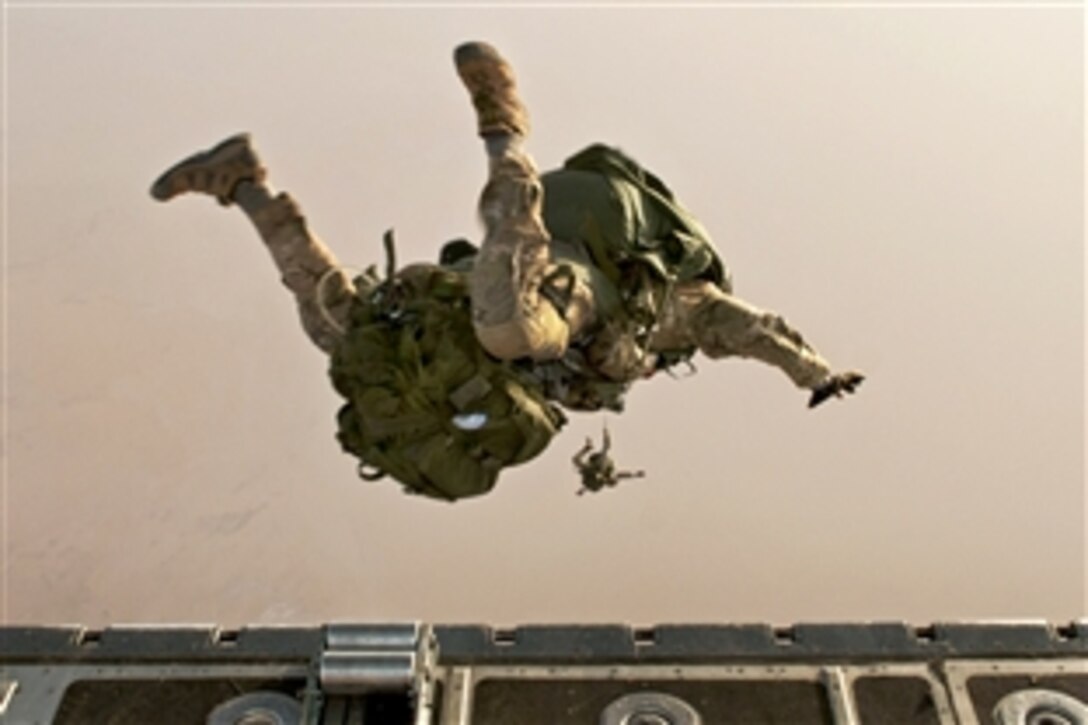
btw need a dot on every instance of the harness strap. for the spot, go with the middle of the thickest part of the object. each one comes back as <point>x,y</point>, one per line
<point>558,288</point>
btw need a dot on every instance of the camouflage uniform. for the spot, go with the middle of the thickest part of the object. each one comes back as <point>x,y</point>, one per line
<point>515,314</point>
<point>512,316</point>
<point>514,319</point>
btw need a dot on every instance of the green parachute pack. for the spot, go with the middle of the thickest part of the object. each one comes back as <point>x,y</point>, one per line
<point>428,406</point>
<point>426,403</point>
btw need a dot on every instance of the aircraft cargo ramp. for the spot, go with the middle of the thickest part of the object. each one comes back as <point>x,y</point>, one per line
<point>423,674</point>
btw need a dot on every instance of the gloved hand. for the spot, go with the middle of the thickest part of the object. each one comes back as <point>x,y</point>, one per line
<point>836,386</point>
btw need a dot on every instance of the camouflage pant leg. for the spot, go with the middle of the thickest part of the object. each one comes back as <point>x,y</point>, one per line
<point>511,317</point>
<point>308,268</point>
<point>702,314</point>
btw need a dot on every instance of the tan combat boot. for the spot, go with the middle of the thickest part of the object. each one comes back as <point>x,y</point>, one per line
<point>216,171</point>
<point>491,84</point>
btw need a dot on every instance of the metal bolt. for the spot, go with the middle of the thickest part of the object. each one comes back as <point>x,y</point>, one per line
<point>1040,707</point>
<point>649,708</point>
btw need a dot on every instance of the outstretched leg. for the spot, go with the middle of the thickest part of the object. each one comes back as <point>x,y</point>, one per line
<point>231,172</point>
<point>512,314</point>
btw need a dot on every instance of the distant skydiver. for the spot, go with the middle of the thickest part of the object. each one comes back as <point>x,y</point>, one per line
<point>588,278</point>
<point>597,469</point>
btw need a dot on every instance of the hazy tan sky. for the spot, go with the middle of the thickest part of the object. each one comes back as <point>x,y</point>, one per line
<point>904,184</point>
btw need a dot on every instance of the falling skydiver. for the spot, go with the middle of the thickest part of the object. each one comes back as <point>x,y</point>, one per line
<point>588,278</point>
<point>597,469</point>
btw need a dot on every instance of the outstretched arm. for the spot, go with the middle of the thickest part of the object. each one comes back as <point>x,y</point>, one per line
<point>719,324</point>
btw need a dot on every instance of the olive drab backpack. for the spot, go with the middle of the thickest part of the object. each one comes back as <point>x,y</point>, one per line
<point>426,404</point>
